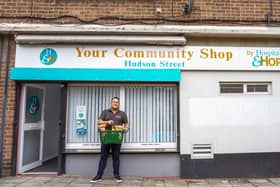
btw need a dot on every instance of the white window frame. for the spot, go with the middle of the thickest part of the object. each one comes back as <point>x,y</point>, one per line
<point>245,87</point>
<point>258,83</point>
<point>126,147</point>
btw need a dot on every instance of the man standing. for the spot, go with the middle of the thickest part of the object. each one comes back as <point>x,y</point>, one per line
<point>112,116</point>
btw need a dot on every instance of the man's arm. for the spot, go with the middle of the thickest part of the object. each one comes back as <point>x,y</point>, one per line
<point>126,125</point>
<point>101,123</point>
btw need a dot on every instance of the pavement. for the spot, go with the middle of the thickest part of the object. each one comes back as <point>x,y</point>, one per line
<point>82,181</point>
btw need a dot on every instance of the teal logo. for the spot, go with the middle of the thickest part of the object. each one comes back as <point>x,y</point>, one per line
<point>48,56</point>
<point>33,105</point>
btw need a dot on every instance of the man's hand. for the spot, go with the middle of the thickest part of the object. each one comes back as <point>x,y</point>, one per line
<point>126,129</point>
<point>110,122</point>
<point>102,126</point>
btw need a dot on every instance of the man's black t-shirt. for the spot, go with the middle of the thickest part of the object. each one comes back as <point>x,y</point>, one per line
<point>119,118</point>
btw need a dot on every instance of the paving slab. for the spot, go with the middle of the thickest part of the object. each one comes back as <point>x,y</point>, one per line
<point>84,181</point>
<point>243,185</point>
<point>129,185</point>
<point>198,185</point>
<point>14,180</point>
<point>81,180</point>
<point>79,185</point>
<point>26,184</point>
<point>176,183</point>
<point>129,181</point>
<point>219,182</point>
<point>108,182</point>
<point>197,181</point>
<point>240,183</point>
<point>50,184</point>
<point>7,185</point>
<point>99,184</point>
<point>261,182</point>
<point>69,176</point>
<point>134,178</point>
<point>267,185</point>
<point>274,180</point>
<point>153,183</point>
<point>63,179</point>
<point>221,185</point>
<point>40,179</point>
<point>132,182</point>
<point>258,181</point>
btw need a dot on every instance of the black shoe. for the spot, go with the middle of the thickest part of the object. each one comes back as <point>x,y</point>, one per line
<point>118,179</point>
<point>96,179</point>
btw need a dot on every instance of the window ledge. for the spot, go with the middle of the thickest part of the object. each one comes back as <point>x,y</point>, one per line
<point>126,148</point>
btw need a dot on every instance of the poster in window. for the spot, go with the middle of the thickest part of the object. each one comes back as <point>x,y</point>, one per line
<point>81,122</point>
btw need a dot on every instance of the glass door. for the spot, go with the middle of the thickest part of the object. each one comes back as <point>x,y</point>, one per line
<point>31,127</point>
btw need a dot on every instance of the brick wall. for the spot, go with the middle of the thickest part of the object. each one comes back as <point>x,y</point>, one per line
<point>204,12</point>
<point>10,104</point>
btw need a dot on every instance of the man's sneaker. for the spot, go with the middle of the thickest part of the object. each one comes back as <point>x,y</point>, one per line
<point>96,179</point>
<point>118,179</point>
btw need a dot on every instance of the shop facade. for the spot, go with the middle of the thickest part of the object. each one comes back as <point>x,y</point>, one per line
<point>202,108</point>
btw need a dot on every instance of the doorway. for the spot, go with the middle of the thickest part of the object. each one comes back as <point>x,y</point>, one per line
<point>38,143</point>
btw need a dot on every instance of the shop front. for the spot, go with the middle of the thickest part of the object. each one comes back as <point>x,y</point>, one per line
<point>91,75</point>
<point>189,107</point>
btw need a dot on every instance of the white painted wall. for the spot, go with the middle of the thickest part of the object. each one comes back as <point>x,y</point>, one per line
<point>231,123</point>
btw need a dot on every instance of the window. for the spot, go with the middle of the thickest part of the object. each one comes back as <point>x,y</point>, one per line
<point>151,110</point>
<point>257,88</point>
<point>231,88</point>
<point>245,88</point>
<point>95,98</point>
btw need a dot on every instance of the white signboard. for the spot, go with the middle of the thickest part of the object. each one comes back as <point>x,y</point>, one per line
<point>81,112</point>
<point>148,57</point>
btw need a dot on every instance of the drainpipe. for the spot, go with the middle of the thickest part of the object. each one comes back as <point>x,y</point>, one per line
<point>4,106</point>
<point>1,126</point>
<point>15,130</point>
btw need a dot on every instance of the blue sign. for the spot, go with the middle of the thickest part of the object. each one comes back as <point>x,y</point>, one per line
<point>48,56</point>
<point>33,105</point>
<point>81,127</point>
